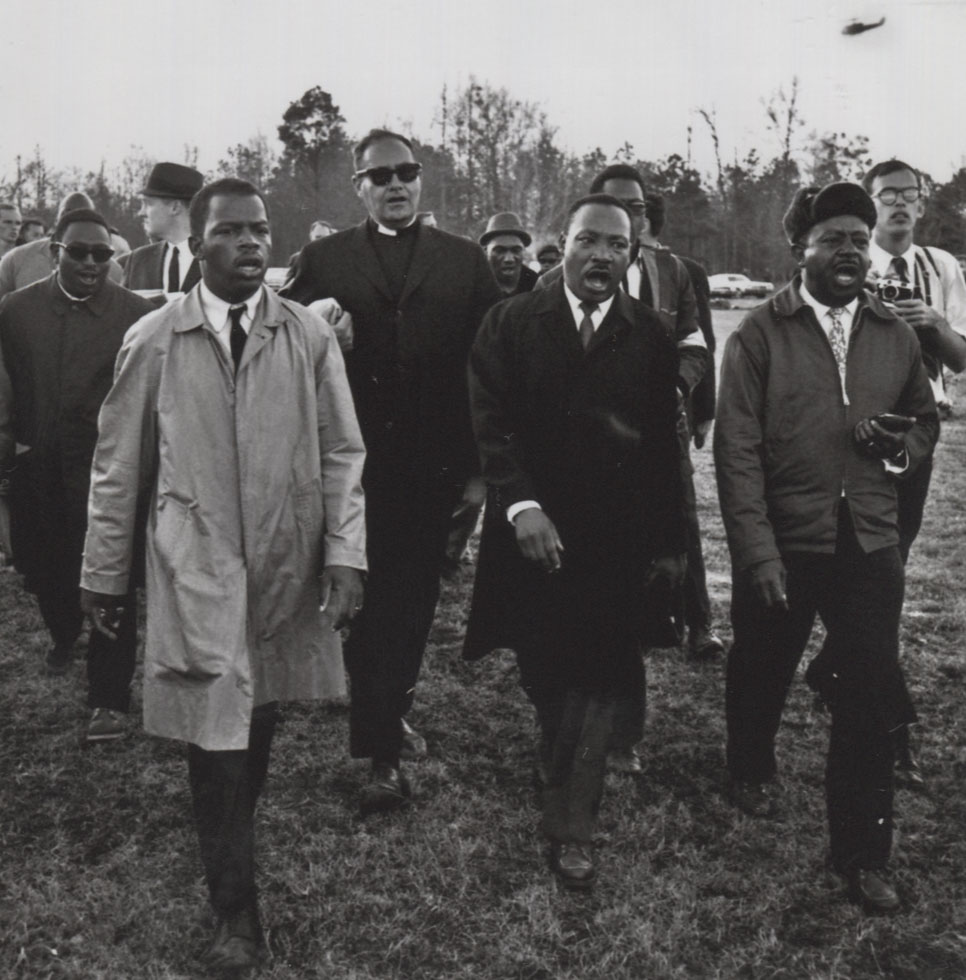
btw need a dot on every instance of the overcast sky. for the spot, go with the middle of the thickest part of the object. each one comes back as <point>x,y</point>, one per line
<point>87,81</point>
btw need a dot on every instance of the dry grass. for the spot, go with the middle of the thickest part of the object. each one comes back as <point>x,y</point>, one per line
<point>100,876</point>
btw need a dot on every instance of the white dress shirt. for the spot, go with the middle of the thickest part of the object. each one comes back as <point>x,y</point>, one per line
<point>216,314</point>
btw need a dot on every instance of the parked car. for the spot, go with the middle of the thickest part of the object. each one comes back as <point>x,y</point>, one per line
<point>733,284</point>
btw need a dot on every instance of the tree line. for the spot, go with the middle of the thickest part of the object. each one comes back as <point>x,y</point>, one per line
<point>490,152</point>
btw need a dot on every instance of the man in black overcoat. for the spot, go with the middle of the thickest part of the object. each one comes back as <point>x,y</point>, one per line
<point>416,296</point>
<point>573,393</point>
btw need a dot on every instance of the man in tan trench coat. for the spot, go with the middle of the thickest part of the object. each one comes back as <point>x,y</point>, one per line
<point>230,408</point>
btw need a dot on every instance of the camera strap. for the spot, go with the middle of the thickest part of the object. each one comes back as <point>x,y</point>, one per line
<point>923,279</point>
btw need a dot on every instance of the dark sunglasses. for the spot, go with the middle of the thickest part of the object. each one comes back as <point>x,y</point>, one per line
<point>78,252</point>
<point>382,176</point>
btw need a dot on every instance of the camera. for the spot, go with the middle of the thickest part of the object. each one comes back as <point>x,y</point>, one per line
<point>892,290</point>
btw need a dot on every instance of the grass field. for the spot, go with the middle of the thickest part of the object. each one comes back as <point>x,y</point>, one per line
<point>100,877</point>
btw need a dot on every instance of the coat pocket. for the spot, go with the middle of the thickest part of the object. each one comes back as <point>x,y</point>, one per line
<point>172,532</point>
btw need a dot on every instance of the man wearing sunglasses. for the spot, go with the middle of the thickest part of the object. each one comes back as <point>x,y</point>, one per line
<point>932,300</point>
<point>416,295</point>
<point>58,342</point>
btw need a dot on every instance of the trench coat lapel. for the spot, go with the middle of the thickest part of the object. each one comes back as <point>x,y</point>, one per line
<point>424,257</point>
<point>557,320</point>
<point>366,261</point>
<point>268,317</point>
<point>618,316</point>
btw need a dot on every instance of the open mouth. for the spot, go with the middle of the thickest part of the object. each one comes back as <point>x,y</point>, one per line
<point>598,279</point>
<point>846,274</point>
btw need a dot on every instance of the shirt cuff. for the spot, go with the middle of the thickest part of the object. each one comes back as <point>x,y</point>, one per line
<point>520,505</point>
<point>898,464</point>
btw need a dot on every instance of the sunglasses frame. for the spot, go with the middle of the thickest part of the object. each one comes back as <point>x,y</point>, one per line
<point>898,192</point>
<point>88,250</point>
<point>393,172</point>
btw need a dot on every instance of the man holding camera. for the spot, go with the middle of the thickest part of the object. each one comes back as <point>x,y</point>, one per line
<point>824,403</point>
<point>925,287</point>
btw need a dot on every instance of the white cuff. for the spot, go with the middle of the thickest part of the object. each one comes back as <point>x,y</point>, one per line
<point>519,506</point>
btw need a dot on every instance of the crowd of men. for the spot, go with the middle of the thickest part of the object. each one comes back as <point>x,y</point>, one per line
<point>282,472</point>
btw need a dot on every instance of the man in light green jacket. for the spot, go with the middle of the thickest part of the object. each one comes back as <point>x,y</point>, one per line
<point>231,410</point>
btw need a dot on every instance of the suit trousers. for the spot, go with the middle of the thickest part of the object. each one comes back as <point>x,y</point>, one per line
<point>697,604</point>
<point>225,787</point>
<point>859,598</point>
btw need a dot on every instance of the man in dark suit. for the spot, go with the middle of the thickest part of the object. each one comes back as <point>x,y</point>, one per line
<point>416,296</point>
<point>573,392</point>
<point>167,263</point>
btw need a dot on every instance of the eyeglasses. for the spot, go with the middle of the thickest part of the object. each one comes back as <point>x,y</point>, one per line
<point>889,195</point>
<point>78,252</point>
<point>382,176</point>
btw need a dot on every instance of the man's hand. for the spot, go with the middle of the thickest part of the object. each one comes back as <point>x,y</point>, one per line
<point>917,314</point>
<point>537,538</point>
<point>768,582</point>
<point>670,569</point>
<point>701,431</point>
<point>340,320</point>
<point>874,440</point>
<point>340,590</point>
<point>103,610</point>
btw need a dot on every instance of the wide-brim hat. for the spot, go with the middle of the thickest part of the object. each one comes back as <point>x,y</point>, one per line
<point>504,223</point>
<point>814,204</point>
<point>173,180</point>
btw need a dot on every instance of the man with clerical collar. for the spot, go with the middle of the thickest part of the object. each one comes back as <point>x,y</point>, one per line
<point>166,263</point>
<point>231,416</point>
<point>824,403</point>
<point>416,296</point>
<point>504,242</point>
<point>58,342</point>
<point>33,261</point>
<point>573,391</point>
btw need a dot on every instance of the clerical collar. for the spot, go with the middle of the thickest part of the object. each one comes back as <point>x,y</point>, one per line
<point>393,232</point>
<point>73,299</point>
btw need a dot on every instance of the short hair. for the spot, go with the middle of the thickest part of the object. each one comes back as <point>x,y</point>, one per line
<point>227,186</point>
<point>376,136</point>
<point>606,199</point>
<point>654,211</point>
<point>69,218</point>
<point>73,201</point>
<point>617,171</point>
<point>887,167</point>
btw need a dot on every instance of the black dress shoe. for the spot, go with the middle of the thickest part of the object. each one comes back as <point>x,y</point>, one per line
<point>573,864</point>
<point>413,744</point>
<point>871,890</point>
<point>387,789</point>
<point>238,943</point>
<point>754,799</point>
<point>704,644</point>
<point>59,661</point>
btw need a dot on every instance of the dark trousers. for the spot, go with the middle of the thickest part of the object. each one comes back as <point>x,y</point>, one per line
<point>225,787</point>
<point>911,500</point>
<point>110,663</point>
<point>576,720</point>
<point>859,598</point>
<point>697,604</point>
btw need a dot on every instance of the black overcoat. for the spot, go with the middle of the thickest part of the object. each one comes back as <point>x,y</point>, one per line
<point>592,437</point>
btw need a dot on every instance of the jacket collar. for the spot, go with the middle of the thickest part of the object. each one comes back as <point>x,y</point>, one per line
<point>788,302</point>
<point>428,243</point>
<point>97,304</point>
<point>190,315</point>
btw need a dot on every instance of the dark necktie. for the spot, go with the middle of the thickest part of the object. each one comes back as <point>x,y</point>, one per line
<point>174,272</point>
<point>900,268</point>
<point>237,337</point>
<point>647,296</point>
<point>587,325</point>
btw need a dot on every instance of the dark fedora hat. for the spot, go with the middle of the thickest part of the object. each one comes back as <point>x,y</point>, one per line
<point>814,204</point>
<point>173,180</point>
<point>504,223</point>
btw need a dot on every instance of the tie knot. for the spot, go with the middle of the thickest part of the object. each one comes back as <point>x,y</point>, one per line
<point>235,314</point>
<point>835,314</point>
<point>900,267</point>
<point>589,309</point>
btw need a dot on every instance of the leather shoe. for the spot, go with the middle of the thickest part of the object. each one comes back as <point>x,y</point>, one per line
<point>625,761</point>
<point>704,644</point>
<point>238,942</point>
<point>413,744</point>
<point>59,661</point>
<point>752,799</point>
<point>387,789</point>
<point>573,864</point>
<point>870,890</point>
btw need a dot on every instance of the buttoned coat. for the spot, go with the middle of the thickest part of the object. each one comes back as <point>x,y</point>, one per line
<point>255,487</point>
<point>144,268</point>
<point>591,436</point>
